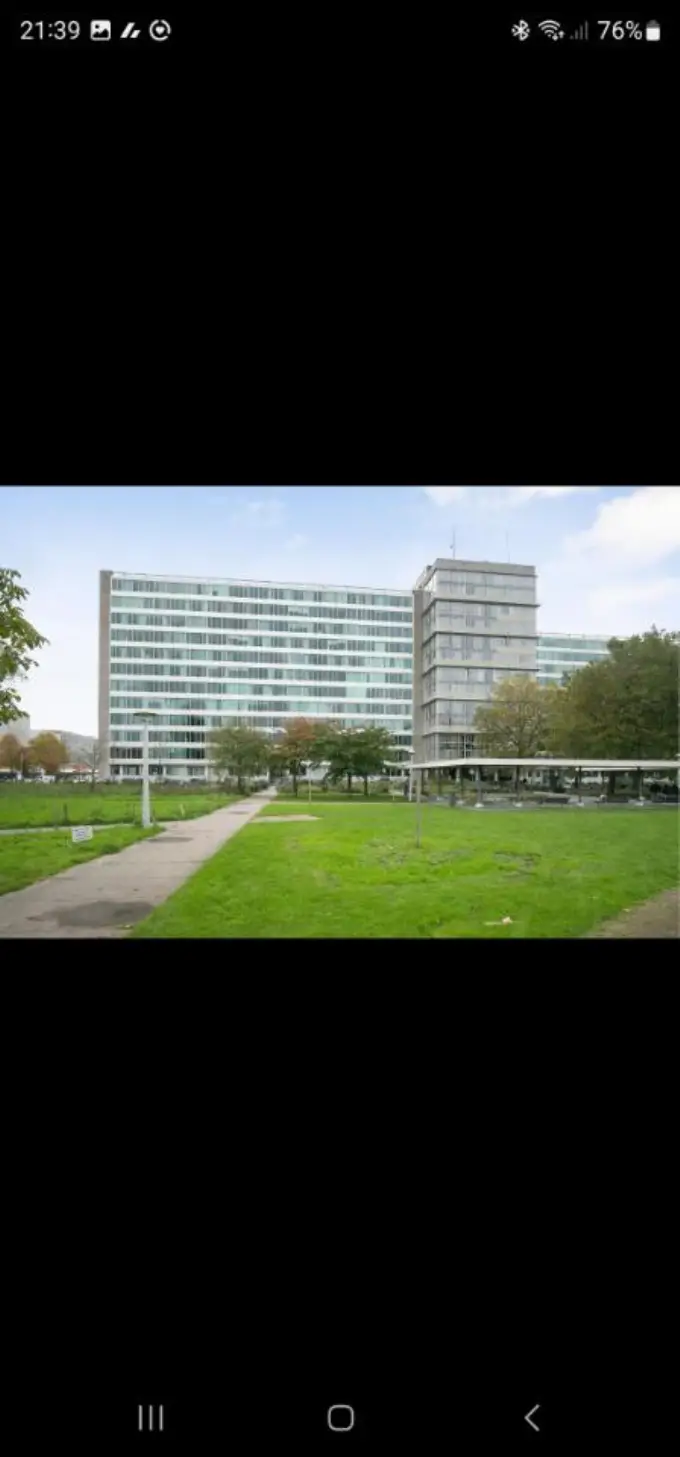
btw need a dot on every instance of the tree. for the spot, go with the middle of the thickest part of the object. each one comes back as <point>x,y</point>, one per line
<point>370,748</point>
<point>10,752</point>
<point>238,750</point>
<point>18,638</point>
<point>335,746</point>
<point>626,706</point>
<point>15,755</point>
<point>93,758</point>
<point>299,744</point>
<point>50,752</point>
<point>517,722</point>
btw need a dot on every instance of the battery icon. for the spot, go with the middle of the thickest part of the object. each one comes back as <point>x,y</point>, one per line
<point>652,30</point>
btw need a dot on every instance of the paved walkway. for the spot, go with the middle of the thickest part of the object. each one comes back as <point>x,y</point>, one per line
<point>106,897</point>
<point>656,919</point>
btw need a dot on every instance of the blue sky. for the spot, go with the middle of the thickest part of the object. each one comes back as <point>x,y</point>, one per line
<point>608,557</point>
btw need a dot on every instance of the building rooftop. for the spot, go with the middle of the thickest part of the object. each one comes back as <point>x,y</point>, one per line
<point>154,576</point>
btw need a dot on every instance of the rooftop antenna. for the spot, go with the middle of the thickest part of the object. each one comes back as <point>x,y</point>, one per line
<point>453,545</point>
<point>507,544</point>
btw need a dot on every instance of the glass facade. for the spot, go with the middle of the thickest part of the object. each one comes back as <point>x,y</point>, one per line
<point>204,654</point>
<point>560,654</point>
<point>474,625</point>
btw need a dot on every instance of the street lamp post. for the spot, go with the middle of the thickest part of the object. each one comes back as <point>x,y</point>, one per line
<point>410,752</point>
<point>145,717</point>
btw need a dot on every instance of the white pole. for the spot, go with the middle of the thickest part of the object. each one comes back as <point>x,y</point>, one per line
<point>146,798</point>
<point>309,782</point>
<point>419,805</point>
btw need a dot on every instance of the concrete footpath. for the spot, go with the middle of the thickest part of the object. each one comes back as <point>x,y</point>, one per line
<point>107,897</point>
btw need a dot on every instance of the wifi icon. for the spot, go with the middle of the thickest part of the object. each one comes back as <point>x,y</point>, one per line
<point>552,29</point>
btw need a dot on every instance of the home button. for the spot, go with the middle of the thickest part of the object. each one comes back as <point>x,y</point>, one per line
<point>340,1418</point>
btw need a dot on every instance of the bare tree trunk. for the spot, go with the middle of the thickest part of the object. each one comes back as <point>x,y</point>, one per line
<point>611,784</point>
<point>366,785</point>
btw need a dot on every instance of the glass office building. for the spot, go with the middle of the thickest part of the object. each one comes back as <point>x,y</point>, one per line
<point>474,624</point>
<point>205,653</point>
<point>562,653</point>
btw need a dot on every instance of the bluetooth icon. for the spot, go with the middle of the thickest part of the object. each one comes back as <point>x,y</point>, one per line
<point>522,30</point>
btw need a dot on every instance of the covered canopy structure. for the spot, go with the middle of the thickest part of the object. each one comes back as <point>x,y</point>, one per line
<point>545,765</point>
<point>597,765</point>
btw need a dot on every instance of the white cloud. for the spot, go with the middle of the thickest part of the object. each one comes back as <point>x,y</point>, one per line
<point>519,495</point>
<point>624,594</point>
<point>637,530</point>
<point>267,511</point>
<point>295,541</point>
<point>442,495</point>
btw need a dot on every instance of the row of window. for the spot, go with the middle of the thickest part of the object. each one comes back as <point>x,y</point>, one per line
<point>396,726</point>
<point>523,596</point>
<point>172,753</point>
<point>443,616</point>
<point>461,712</point>
<point>454,647</point>
<point>574,643</point>
<point>176,736</point>
<point>156,736</point>
<point>302,707</point>
<point>243,624</point>
<point>248,642</point>
<point>264,594</point>
<point>292,675</point>
<point>442,678</point>
<point>260,609</point>
<point>453,746</point>
<point>226,700</point>
<point>573,659</point>
<point>459,581</point>
<point>254,658</point>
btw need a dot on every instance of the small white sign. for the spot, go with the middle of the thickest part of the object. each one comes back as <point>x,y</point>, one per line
<point>83,833</point>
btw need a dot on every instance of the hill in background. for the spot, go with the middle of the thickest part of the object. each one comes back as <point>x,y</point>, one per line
<point>77,744</point>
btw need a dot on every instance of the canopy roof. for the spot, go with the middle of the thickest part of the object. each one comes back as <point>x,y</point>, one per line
<point>573,763</point>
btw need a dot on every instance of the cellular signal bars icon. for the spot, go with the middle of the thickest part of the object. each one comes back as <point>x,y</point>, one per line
<point>581,32</point>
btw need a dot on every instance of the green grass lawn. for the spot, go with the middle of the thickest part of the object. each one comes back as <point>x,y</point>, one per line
<point>339,795</point>
<point>27,858</point>
<point>24,805</point>
<point>358,873</point>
